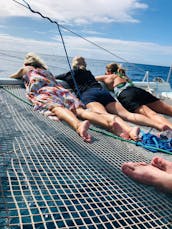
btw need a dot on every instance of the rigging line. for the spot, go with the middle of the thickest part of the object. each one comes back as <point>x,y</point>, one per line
<point>17,61</point>
<point>89,41</point>
<point>19,58</point>
<point>67,57</point>
<point>76,34</point>
<point>20,3</point>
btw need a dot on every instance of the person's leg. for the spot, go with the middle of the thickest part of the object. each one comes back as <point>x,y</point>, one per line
<point>103,119</point>
<point>68,116</point>
<point>148,174</point>
<point>111,122</point>
<point>97,107</point>
<point>161,107</point>
<point>162,164</point>
<point>139,119</point>
<point>133,132</point>
<point>157,118</point>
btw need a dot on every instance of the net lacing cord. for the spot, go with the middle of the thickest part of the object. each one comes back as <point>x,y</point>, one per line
<point>104,132</point>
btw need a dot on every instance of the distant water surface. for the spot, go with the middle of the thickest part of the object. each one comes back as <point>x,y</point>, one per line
<point>10,62</point>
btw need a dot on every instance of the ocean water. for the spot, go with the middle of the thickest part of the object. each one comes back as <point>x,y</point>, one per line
<point>11,61</point>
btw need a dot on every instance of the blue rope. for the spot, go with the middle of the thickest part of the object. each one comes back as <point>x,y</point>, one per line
<point>153,143</point>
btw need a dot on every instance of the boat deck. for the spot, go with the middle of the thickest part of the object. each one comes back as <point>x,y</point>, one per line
<point>50,178</point>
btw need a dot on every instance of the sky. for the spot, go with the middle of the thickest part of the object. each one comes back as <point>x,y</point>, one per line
<point>136,31</point>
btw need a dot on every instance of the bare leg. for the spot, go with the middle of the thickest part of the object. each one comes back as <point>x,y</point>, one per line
<point>68,116</point>
<point>148,174</point>
<point>139,119</point>
<point>111,122</point>
<point>97,107</point>
<point>133,132</point>
<point>145,110</point>
<point>161,107</point>
<point>82,130</point>
<point>162,164</point>
<point>103,119</point>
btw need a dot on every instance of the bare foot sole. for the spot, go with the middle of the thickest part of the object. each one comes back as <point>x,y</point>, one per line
<point>82,131</point>
<point>162,164</point>
<point>119,131</point>
<point>134,133</point>
<point>142,172</point>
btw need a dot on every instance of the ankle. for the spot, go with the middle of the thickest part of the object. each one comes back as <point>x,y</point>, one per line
<point>162,182</point>
<point>165,184</point>
<point>77,126</point>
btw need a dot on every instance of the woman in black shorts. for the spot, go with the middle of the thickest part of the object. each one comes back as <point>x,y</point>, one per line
<point>98,99</point>
<point>134,99</point>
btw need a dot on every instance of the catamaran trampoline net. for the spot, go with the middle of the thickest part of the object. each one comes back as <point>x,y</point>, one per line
<point>50,178</point>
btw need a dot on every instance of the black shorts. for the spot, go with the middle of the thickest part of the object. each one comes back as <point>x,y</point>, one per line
<point>97,95</point>
<point>133,97</point>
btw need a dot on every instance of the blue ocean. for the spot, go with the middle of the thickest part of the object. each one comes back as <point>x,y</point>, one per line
<point>10,61</point>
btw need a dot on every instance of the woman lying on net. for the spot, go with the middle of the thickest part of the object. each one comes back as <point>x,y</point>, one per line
<point>45,93</point>
<point>134,99</point>
<point>97,99</point>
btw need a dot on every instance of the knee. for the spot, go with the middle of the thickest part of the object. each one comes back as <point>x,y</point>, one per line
<point>145,111</point>
<point>79,112</point>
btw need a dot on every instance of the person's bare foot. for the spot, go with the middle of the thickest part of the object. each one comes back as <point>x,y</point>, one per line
<point>162,164</point>
<point>142,172</point>
<point>134,133</point>
<point>148,174</point>
<point>119,131</point>
<point>82,130</point>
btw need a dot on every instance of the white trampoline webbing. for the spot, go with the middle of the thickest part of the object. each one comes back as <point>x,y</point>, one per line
<point>23,195</point>
<point>69,157</point>
<point>55,180</point>
<point>39,175</point>
<point>55,177</point>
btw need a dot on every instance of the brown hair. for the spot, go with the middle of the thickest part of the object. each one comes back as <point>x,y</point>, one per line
<point>112,67</point>
<point>121,71</point>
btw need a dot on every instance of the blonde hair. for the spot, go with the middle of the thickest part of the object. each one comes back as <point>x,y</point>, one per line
<point>32,59</point>
<point>112,67</point>
<point>78,62</point>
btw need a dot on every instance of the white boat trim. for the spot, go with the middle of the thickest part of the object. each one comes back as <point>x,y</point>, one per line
<point>159,87</point>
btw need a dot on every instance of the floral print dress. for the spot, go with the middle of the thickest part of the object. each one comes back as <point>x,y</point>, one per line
<point>45,93</point>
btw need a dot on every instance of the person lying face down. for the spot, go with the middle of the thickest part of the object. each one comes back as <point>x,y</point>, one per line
<point>134,99</point>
